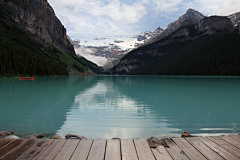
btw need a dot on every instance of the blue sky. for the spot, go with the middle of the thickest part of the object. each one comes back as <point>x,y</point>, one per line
<point>101,18</point>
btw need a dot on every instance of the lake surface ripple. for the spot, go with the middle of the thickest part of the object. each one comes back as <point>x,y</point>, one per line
<point>120,106</point>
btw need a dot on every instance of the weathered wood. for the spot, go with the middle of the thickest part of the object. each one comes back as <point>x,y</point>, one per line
<point>160,153</point>
<point>218,149</point>
<point>230,148</point>
<point>188,149</point>
<point>4,142</point>
<point>143,150</point>
<point>113,150</point>
<point>231,140</point>
<point>11,146</point>
<point>128,150</point>
<point>34,151</point>
<point>98,150</point>
<point>16,153</point>
<point>237,137</point>
<point>50,152</point>
<point>82,150</point>
<point>67,150</point>
<point>175,152</point>
<point>204,149</point>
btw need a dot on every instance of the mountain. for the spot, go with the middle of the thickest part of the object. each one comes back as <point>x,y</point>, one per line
<point>38,18</point>
<point>173,43</point>
<point>235,18</point>
<point>34,42</point>
<point>190,17</point>
<point>147,35</point>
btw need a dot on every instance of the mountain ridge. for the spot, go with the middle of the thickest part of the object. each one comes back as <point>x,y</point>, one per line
<point>38,18</point>
<point>162,45</point>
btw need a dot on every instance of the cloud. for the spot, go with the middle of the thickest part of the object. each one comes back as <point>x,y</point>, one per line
<point>166,6</point>
<point>98,17</point>
<point>228,7</point>
<point>87,53</point>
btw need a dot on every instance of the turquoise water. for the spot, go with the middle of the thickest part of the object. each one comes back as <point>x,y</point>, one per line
<point>120,106</point>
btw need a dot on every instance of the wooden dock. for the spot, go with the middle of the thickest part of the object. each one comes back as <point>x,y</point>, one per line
<point>195,148</point>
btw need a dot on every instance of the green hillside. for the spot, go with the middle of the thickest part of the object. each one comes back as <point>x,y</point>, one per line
<point>21,56</point>
<point>92,66</point>
<point>217,54</point>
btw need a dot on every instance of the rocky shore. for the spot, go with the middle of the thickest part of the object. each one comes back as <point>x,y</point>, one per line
<point>152,141</point>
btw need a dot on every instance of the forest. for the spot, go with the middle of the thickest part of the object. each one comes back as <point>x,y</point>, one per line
<point>20,55</point>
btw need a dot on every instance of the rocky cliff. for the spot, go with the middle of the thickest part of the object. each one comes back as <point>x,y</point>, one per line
<point>38,17</point>
<point>145,54</point>
<point>235,18</point>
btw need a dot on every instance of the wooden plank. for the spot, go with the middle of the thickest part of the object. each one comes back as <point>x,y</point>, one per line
<point>204,149</point>
<point>218,149</point>
<point>50,152</point>
<point>98,150</point>
<point>143,150</point>
<point>128,150</point>
<point>160,153</point>
<point>4,142</point>
<point>34,151</point>
<point>237,137</point>
<point>175,152</point>
<point>231,140</point>
<point>11,146</point>
<point>16,153</point>
<point>188,149</point>
<point>113,150</point>
<point>82,150</point>
<point>230,148</point>
<point>67,150</point>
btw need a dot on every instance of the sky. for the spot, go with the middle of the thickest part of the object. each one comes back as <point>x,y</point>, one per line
<point>100,18</point>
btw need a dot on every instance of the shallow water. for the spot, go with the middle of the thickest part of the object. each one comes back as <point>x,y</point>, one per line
<point>121,106</point>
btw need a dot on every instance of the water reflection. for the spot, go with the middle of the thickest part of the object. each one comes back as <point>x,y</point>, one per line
<point>121,106</point>
<point>135,106</point>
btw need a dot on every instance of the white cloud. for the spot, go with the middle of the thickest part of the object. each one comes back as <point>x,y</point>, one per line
<point>87,53</point>
<point>167,6</point>
<point>228,7</point>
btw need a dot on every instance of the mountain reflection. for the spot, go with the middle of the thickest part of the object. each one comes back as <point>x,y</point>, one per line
<point>140,106</point>
<point>120,106</point>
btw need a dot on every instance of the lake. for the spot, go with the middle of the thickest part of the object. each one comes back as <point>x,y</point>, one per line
<point>120,106</point>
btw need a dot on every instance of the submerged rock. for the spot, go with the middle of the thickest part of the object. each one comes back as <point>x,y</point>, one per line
<point>73,136</point>
<point>56,137</point>
<point>4,134</point>
<point>186,134</point>
<point>11,137</point>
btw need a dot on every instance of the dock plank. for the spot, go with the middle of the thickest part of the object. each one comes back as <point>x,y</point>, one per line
<point>128,150</point>
<point>143,150</point>
<point>231,140</point>
<point>34,151</point>
<point>237,137</point>
<point>8,148</point>
<point>188,149</point>
<point>16,153</point>
<point>160,153</point>
<point>67,150</point>
<point>98,150</point>
<point>204,149</point>
<point>230,148</point>
<point>113,150</point>
<point>4,142</point>
<point>50,152</point>
<point>175,152</point>
<point>218,149</point>
<point>82,150</point>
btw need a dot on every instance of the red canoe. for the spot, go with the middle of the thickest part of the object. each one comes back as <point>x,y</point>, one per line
<point>26,78</point>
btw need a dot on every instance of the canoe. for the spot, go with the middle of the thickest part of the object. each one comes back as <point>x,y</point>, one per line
<point>26,78</point>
